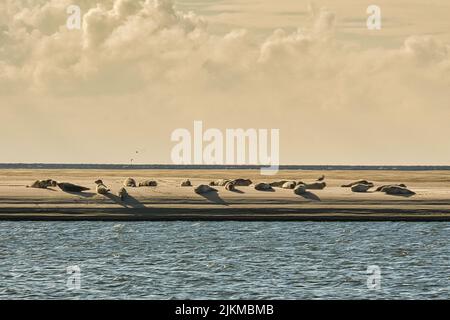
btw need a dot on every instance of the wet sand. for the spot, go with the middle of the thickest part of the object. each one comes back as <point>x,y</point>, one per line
<point>169,201</point>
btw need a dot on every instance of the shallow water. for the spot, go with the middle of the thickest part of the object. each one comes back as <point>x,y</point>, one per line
<point>224,260</point>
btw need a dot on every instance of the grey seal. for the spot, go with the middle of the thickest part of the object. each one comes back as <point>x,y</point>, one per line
<point>263,187</point>
<point>316,185</point>
<point>148,183</point>
<point>278,184</point>
<point>289,185</point>
<point>397,190</point>
<point>401,185</point>
<point>43,184</point>
<point>219,183</point>
<point>357,182</point>
<point>300,189</point>
<point>101,188</point>
<point>186,183</point>
<point>230,186</point>
<point>361,187</point>
<point>129,182</point>
<point>242,182</point>
<point>70,187</point>
<point>203,188</point>
<point>122,193</point>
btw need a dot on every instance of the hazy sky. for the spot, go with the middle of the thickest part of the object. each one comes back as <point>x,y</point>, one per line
<point>137,70</point>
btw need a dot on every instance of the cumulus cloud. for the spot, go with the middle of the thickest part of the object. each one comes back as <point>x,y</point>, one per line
<point>126,44</point>
<point>175,69</point>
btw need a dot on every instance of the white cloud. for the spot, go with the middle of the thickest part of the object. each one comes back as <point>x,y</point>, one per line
<point>176,70</point>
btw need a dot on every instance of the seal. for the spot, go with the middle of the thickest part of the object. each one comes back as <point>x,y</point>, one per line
<point>401,185</point>
<point>148,183</point>
<point>316,185</point>
<point>397,190</point>
<point>43,184</point>
<point>263,187</point>
<point>242,182</point>
<point>129,182</point>
<point>203,188</point>
<point>101,188</point>
<point>361,187</point>
<point>70,187</point>
<point>278,184</point>
<point>289,185</point>
<point>122,193</point>
<point>300,189</point>
<point>321,178</point>
<point>186,183</point>
<point>357,182</point>
<point>230,186</point>
<point>219,183</point>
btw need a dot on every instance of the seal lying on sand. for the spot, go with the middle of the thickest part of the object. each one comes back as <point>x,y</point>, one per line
<point>129,182</point>
<point>361,187</point>
<point>203,188</point>
<point>397,190</point>
<point>219,183</point>
<point>69,187</point>
<point>300,189</point>
<point>263,187</point>
<point>278,184</point>
<point>357,182</point>
<point>43,184</point>
<point>289,185</point>
<point>148,183</point>
<point>401,185</point>
<point>122,193</point>
<point>101,188</point>
<point>316,185</point>
<point>230,186</point>
<point>242,182</point>
<point>186,183</point>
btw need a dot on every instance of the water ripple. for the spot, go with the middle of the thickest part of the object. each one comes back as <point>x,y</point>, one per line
<point>217,260</point>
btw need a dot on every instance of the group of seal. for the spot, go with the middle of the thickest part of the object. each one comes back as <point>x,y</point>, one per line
<point>392,189</point>
<point>130,182</point>
<point>299,187</point>
<point>237,182</point>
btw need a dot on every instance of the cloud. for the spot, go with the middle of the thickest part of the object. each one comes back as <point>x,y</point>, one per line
<point>126,45</point>
<point>173,69</point>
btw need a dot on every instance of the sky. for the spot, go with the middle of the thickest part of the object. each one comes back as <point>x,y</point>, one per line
<point>115,89</point>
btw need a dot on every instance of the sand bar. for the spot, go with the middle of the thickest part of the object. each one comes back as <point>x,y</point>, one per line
<point>169,201</point>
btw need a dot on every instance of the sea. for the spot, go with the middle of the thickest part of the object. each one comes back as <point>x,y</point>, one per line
<point>224,260</point>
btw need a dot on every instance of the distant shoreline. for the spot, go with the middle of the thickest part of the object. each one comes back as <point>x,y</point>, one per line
<point>88,166</point>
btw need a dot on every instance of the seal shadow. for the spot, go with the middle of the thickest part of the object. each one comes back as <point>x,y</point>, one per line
<point>213,196</point>
<point>81,194</point>
<point>310,196</point>
<point>237,191</point>
<point>401,195</point>
<point>129,201</point>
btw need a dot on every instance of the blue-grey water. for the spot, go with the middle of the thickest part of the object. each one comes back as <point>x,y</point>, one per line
<point>224,260</point>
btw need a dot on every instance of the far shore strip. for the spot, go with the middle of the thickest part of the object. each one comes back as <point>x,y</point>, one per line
<point>170,201</point>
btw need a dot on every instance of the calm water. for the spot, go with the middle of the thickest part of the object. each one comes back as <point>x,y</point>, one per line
<point>224,260</point>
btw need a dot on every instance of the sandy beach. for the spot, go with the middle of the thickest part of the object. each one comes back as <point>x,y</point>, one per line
<point>169,201</point>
